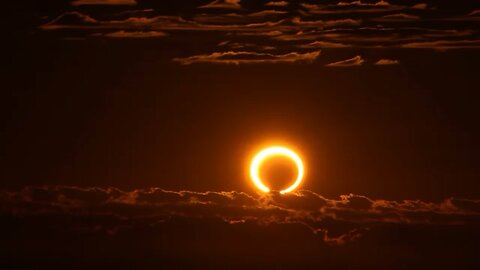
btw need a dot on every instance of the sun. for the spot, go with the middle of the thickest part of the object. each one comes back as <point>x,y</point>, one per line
<point>270,152</point>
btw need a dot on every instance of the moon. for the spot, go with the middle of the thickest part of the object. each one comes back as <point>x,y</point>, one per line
<point>269,152</point>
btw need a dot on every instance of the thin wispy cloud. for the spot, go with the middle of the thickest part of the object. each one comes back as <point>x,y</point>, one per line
<point>364,4</point>
<point>352,62</point>
<point>324,44</point>
<point>244,57</point>
<point>420,6</point>
<point>387,62</point>
<point>243,46</point>
<point>223,4</point>
<point>274,26</point>
<point>444,45</point>
<point>135,34</point>
<point>277,4</point>
<point>399,17</point>
<point>325,23</point>
<point>240,19</point>
<point>351,7</point>
<point>474,13</point>
<point>104,2</point>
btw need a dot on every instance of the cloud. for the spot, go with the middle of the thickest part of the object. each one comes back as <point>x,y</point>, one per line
<point>73,227</point>
<point>362,4</point>
<point>273,33</point>
<point>72,18</point>
<point>386,62</point>
<point>243,46</point>
<point>234,18</point>
<point>373,37</point>
<point>77,20</point>
<point>327,23</point>
<point>244,57</point>
<point>355,61</point>
<point>351,7</point>
<point>135,34</point>
<point>104,2</point>
<point>266,13</point>
<point>444,45</point>
<point>223,4</point>
<point>420,6</point>
<point>473,16</point>
<point>474,13</point>
<point>466,205</point>
<point>324,44</point>
<point>152,227</point>
<point>277,4</point>
<point>252,32</point>
<point>399,17</point>
<point>302,207</point>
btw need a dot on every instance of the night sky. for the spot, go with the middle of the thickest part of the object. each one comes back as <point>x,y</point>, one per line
<point>127,128</point>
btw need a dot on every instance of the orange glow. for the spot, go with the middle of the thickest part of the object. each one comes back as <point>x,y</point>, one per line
<point>269,152</point>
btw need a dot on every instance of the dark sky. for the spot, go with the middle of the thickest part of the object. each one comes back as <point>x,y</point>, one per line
<point>116,114</point>
<point>381,99</point>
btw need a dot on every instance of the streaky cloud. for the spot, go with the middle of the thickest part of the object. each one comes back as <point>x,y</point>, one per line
<point>104,2</point>
<point>277,4</point>
<point>324,44</point>
<point>355,61</point>
<point>444,45</point>
<point>223,4</point>
<point>245,57</point>
<point>387,62</point>
<point>399,17</point>
<point>135,34</point>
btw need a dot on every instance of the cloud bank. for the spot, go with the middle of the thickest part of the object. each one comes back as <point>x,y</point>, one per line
<point>281,26</point>
<point>65,226</point>
<point>302,207</point>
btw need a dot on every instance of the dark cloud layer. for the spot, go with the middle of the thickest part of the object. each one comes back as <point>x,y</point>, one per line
<point>167,225</point>
<point>299,26</point>
<point>303,206</point>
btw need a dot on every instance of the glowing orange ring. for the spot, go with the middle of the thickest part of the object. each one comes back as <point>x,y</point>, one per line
<point>275,151</point>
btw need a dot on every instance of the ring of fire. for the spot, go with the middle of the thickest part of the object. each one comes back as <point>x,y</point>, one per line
<point>270,152</point>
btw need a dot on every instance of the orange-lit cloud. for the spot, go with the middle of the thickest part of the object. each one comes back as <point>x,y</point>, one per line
<point>387,62</point>
<point>443,45</point>
<point>420,6</point>
<point>240,19</point>
<point>360,3</point>
<point>399,17</point>
<point>243,46</point>
<point>103,2</point>
<point>253,29</point>
<point>77,20</point>
<point>325,24</point>
<point>351,7</point>
<point>277,4</point>
<point>225,4</point>
<point>474,13</point>
<point>306,208</point>
<point>355,61</point>
<point>135,34</point>
<point>324,44</point>
<point>168,225</point>
<point>243,57</point>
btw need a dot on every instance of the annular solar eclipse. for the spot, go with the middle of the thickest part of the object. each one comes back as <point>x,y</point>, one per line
<point>270,152</point>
